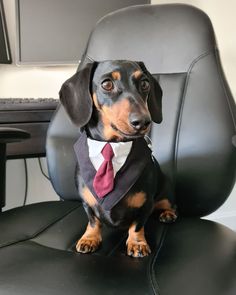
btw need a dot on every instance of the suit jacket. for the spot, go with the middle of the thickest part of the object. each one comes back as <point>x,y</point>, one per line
<point>139,157</point>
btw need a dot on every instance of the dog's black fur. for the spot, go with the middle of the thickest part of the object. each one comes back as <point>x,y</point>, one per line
<point>116,101</point>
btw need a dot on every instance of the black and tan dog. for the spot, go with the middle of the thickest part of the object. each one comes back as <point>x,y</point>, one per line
<point>115,101</point>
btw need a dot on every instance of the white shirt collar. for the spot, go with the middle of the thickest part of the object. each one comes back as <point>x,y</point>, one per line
<point>95,147</point>
<point>119,148</point>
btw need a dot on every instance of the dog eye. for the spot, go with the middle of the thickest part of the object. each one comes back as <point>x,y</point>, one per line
<point>107,85</point>
<point>145,85</point>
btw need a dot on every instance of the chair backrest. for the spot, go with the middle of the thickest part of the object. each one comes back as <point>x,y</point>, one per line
<point>193,144</point>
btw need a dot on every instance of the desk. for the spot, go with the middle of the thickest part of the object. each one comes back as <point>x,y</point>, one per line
<point>30,115</point>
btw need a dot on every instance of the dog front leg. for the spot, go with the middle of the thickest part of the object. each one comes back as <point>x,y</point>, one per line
<point>167,212</point>
<point>91,239</point>
<point>137,245</point>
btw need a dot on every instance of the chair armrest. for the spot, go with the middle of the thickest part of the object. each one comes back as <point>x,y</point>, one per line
<point>8,135</point>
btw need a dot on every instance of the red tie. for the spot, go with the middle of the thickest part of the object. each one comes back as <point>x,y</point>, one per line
<point>103,181</point>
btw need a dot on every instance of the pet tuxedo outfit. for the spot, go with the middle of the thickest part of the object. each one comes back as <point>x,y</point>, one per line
<point>129,161</point>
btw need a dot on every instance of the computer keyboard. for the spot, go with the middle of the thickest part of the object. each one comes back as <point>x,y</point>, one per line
<point>28,103</point>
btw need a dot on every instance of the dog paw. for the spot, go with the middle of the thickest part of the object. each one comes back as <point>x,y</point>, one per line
<point>168,216</point>
<point>138,249</point>
<point>87,245</point>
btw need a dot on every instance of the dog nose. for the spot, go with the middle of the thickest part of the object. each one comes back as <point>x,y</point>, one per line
<point>139,122</point>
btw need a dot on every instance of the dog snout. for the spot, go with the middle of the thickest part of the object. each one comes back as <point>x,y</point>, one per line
<point>139,122</point>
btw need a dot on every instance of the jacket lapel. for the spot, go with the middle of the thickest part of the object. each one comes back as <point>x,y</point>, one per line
<point>138,158</point>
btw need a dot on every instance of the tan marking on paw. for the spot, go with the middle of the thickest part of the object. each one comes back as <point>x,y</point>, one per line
<point>168,216</point>
<point>91,239</point>
<point>137,245</point>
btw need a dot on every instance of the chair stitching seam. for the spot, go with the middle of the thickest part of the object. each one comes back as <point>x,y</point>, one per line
<point>90,58</point>
<point>180,115</point>
<point>151,272</point>
<point>33,242</point>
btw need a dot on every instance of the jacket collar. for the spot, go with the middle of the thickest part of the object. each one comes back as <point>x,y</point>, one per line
<point>119,148</point>
<point>139,157</point>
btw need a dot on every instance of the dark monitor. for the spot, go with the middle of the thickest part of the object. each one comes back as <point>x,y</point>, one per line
<point>56,31</point>
<point>5,54</point>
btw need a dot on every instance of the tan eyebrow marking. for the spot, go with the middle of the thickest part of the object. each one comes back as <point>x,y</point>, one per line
<point>116,75</point>
<point>137,74</point>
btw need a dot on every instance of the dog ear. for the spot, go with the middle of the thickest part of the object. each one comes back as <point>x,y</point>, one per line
<point>75,95</point>
<point>155,96</point>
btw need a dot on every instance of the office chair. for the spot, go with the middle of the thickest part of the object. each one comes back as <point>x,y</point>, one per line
<point>7,135</point>
<point>194,147</point>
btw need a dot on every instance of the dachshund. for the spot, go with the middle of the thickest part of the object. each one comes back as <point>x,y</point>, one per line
<point>114,101</point>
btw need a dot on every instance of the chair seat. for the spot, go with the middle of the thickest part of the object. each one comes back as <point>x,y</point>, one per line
<point>37,256</point>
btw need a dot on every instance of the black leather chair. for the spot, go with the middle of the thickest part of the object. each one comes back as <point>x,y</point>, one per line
<point>194,147</point>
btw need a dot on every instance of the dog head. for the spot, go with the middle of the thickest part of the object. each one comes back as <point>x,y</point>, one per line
<point>120,98</point>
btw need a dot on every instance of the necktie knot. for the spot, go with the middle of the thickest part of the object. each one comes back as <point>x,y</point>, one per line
<point>107,152</point>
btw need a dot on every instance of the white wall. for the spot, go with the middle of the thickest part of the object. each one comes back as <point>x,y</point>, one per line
<point>46,81</point>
